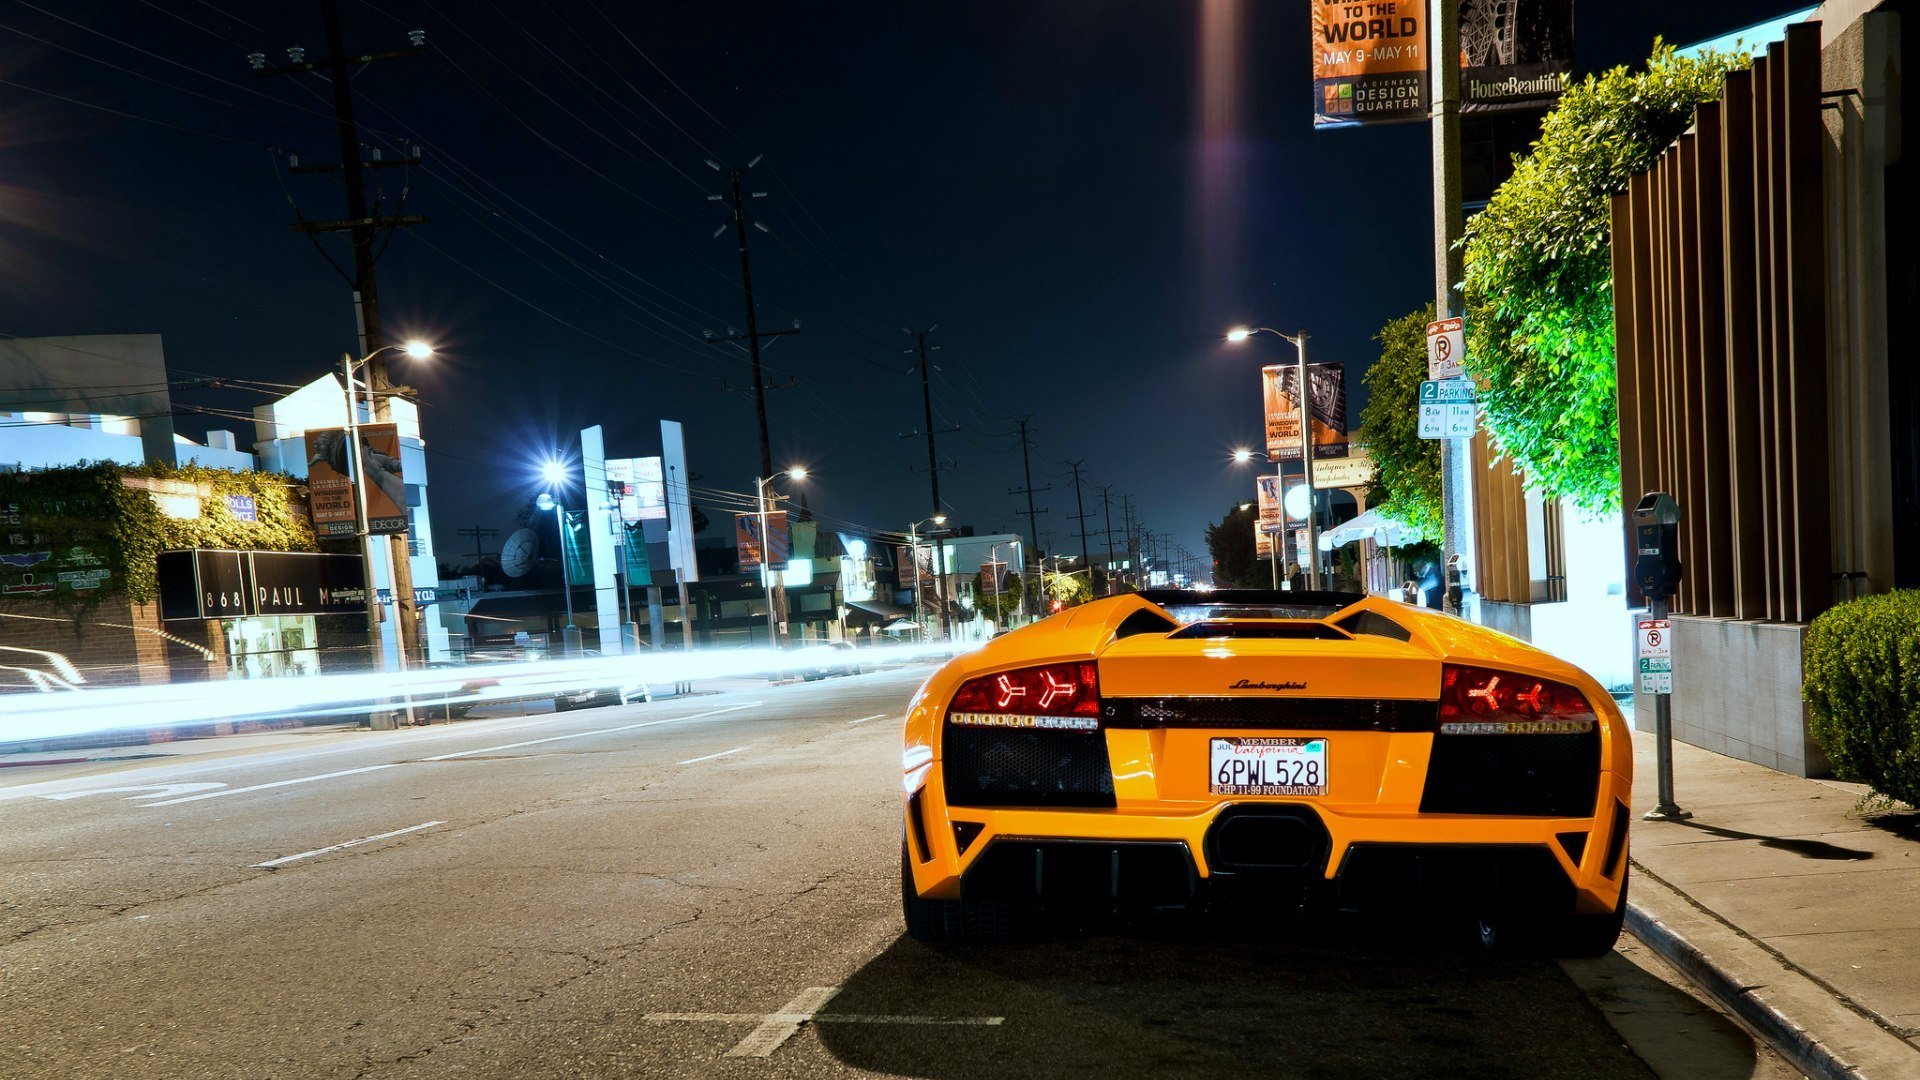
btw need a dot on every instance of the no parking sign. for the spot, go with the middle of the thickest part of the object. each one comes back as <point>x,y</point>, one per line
<point>1655,655</point>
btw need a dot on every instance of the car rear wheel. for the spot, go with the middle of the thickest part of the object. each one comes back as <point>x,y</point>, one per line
<point>951,922</point>
<point>1571,936</point>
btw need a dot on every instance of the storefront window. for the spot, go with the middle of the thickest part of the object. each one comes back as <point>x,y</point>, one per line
<point>272,647</point>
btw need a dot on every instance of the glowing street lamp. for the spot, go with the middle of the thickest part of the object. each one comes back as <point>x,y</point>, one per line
<point>418,350</point>
<point>796,472</point>
<point>1240,334</point>
<point>554,473</point>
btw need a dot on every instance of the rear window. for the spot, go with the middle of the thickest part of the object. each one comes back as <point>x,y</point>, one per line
<point>1193,613</point>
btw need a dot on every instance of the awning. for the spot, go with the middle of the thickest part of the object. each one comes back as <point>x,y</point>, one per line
<point>1372,525</point>
<point>874,613</point>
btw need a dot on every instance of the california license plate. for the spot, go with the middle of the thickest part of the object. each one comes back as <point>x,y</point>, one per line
<point>1269,767</point>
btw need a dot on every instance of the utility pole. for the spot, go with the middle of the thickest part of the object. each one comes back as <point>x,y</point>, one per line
<point>1133,541</point>
<point>1080,515</point>
<point>1456,456</point>
<point>736,197</point>
<point>364,227</point>
<point>1033,515</point>
<point>478,534</point>
<point>1106,509</point>
<point>933,471</point>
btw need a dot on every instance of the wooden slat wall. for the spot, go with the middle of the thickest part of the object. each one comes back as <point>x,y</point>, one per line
<point>1719,324</point>
<point>1503,567</point>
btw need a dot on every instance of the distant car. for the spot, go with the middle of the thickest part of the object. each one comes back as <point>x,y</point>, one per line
<point>834,658</point>
<point>621,693</point>
<point>1155,749</point>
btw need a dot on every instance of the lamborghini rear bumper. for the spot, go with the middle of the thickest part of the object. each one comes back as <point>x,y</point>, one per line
<point>1363,858</point>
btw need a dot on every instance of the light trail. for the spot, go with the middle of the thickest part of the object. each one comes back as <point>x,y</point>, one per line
<point>41,717</point>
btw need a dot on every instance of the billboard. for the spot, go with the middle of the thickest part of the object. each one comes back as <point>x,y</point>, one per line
<point>200,583</point>
<point>747,540</point>
<point>1369,62</point>
<point>329,480</point>
<point>1515,55</point>
<point>642,487</point>
<point>673,453</point>
<point>1280,393</point>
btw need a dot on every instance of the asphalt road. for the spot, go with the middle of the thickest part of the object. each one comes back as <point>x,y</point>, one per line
<point>705,886</point>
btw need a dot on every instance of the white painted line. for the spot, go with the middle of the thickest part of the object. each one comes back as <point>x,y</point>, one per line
<point>275,784</point>
<point>864,719</point>
<point>448,757</point>
<point>781,1026</point>
<point>285,859</point>
<point>710,757</point>
<point>830,1018</point>
<point>584,734</point>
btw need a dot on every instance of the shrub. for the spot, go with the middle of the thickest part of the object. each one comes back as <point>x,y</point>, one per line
<point>1406,467</point>
<point>1863,688</point>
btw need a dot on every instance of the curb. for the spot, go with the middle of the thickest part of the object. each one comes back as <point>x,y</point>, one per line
<point>1800,1047</point>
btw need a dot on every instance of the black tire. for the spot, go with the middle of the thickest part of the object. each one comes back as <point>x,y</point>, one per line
<point>951,922</point>
<point>1565,937</point>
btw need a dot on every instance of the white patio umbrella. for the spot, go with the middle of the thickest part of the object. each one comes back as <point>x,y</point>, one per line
<point>1372,525</point>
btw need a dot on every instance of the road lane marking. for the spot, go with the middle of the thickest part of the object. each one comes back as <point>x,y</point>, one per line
<point>710,757</point>
<point>596,731</point>
<point>276,784</point>
<point>775,1028</point>
<point>446,757</point>
<point>153,791</point>
<point>271,864</point>
<point>864,719</point>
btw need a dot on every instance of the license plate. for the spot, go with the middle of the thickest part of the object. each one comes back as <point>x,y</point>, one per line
<point>1269,767</point>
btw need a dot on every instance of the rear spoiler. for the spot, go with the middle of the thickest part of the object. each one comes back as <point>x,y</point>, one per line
<point>1333,601</point>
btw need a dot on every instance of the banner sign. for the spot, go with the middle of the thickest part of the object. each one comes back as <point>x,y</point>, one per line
<point>747,540</point>
<point>1280,391</point>
<point>1514,56</point>
<point>1352,471</point>
<point>330,483</point>
<point>1262,542</point>
<point>1267,497</point>
<point>1370,58</point>
<point>199,583</point>
<point>642,489</point>
<point>1369,62</point>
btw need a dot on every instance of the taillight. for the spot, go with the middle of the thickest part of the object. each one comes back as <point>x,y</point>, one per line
<point>1056,697</point>
<point>1480,701</point>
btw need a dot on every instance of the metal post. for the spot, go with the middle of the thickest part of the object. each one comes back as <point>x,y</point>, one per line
<point>766,573</point>
<point>1273,539</point>
<point>1668,810</point>
<point>1456,457</point>
<point>1306,460</point>
<point>360,515</point>
<point>919,609</point>
<point>566,575</point>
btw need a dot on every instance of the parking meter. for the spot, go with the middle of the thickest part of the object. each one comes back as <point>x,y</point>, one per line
<point>1656,530</point>
<point>1456,580</point>
<point>1656,569</point>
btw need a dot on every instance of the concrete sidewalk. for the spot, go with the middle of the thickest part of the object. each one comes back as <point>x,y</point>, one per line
<point>1803,905</point>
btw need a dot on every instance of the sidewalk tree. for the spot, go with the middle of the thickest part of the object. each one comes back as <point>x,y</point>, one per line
<point>1066,590</point>
<point>1539,300</point>
<point>1406,467</point>
<point>999,605</point>
<point>1230,542</point>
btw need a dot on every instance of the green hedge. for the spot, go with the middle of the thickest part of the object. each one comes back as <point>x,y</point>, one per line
<point>1863,687</point>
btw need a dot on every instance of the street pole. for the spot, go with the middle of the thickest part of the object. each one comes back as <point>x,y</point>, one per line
<point>1456,457</point>
<point>566,575</point>
<point>766,573</point>
<point>360,515</point>
<point>1668,810</point>
<point>919,609</point>
<point>1306,458</point>
<point>1276,542</point>
<point>933,469</point>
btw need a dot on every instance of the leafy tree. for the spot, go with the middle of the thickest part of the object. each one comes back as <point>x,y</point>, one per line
<point>1538,291</point>
<point>1002,605</point>
<point>1066,590</point>
<point>1230,542</point>
<point>1406,467</point>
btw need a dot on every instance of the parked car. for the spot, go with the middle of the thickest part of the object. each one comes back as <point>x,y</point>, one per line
<point>625,692</point>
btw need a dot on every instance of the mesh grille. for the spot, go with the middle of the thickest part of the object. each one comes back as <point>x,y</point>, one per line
<point>1276,714</point>
<point>1534,775</point>
<point>998,767</point>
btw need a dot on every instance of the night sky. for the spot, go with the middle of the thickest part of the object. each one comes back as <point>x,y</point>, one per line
<point>1031,176</point>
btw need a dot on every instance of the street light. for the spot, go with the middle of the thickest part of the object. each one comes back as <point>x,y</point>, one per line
<point>1241,333</point>
<point>419,350</point>
<point>913,540</point>
<point>554,472</point>
<point>797,472</point>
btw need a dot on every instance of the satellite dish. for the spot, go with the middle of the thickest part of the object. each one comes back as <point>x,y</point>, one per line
<point>517,554</point>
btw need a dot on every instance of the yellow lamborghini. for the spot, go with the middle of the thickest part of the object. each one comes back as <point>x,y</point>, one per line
<point>1157,749</point>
